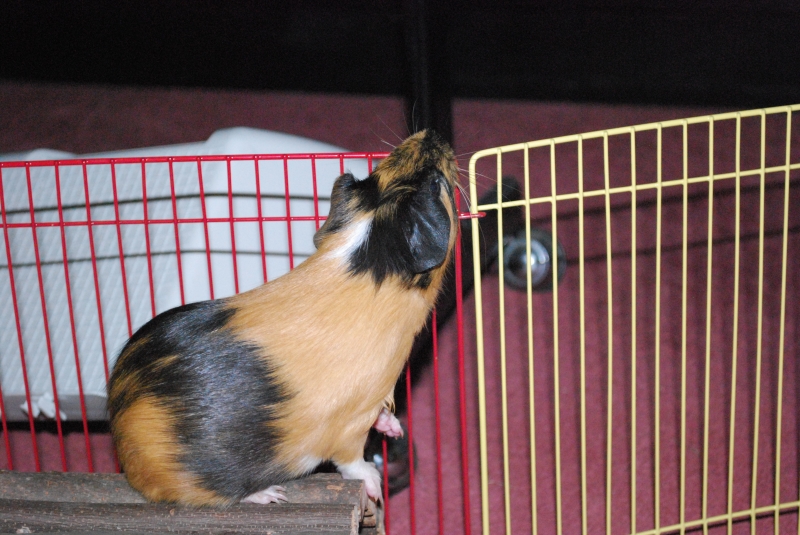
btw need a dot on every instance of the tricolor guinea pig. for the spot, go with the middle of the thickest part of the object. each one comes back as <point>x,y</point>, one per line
<point>220,401</point>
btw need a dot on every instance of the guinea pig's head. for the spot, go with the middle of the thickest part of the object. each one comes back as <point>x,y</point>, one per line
<point>401,220</point>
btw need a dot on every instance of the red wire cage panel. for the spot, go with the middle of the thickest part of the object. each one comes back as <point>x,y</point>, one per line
<point>93,248</point>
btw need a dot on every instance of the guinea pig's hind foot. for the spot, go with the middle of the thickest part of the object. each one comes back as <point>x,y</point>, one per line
<point>388,424</point>
<point>273,494</point>
<point>361,469</point>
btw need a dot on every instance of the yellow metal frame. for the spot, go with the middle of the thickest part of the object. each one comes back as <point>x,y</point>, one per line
<point>607,192</point>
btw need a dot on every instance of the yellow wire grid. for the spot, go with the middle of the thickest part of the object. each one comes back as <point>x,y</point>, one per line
<point>655,388</point>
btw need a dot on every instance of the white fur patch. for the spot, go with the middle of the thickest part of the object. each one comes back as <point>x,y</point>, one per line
<point>355,234</point>
<point>361,469</point>
<point>308,463</point>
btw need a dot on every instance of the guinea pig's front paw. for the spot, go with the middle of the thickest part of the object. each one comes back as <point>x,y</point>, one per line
<point>361,469</point>
<point>273,494</point>
<point>388,424</point>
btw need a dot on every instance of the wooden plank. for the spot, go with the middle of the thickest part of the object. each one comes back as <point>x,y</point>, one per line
<point>67,487</point>
<point>85,498</point>
<point>113,488</point>
<point>26,516</point>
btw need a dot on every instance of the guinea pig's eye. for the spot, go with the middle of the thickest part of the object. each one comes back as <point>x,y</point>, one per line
<point>435,187</point>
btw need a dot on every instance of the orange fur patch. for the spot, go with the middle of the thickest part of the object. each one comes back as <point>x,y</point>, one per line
<point>148,451</point>
<point>405,162</point>
<point>337,352</point>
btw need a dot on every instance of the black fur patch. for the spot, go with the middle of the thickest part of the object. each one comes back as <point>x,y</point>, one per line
<point>410,231</point>
<point>221,392</point>
<point>339,214</point>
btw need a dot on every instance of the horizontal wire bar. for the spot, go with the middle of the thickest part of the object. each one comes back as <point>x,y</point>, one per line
<point>193,159</point>
<point>167,198</point>
<point>700,244</point>
<point>675,200</point>
<point>182,221</point>
<point>639,187</point>
<point>192,220</point>
<point>762,512</point>
<point>153,254</point>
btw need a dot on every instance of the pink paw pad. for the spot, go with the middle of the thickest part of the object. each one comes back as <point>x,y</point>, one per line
<point>388,424</point>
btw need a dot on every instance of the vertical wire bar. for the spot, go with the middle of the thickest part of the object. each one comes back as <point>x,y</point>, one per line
<point>205,226</point>
<point>314,190</point>
<point>385,454</point>
<point>610,312</point>
<point>684,283</point>
<point>70,311</point>
<point>117,222</point>
<point>95,275</point>
<point>734,356</point>
<point>177,234</point>
<point>411,483</point>
<point>479,348</point>
<point>556,374</point>
<point>288,211</point>
<point>15,303</point>
<point>531,375</point>
<point>437,408</point>
<point>785,250</point>
<point>462,391</point>
<point>233,232</point>
<point>709,289</point>
<point>657,409</point>
<point>261,221</point>
<point>759,326</point>
<point>123,275</point>
<point>148,253</point>
<point>782,325</point>
<point>582,336</point>
<point>503,369</point>
<point>46,323</point>
<point>6,440</point>
<point>634,381</point>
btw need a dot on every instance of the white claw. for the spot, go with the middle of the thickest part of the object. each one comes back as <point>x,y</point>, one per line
<point>273,494</point>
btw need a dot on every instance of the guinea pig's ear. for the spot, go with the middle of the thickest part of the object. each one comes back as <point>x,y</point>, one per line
<point>340,212</point>
<point>426,228</point>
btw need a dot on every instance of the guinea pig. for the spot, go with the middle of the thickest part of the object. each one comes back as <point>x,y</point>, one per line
<point>218,402</point>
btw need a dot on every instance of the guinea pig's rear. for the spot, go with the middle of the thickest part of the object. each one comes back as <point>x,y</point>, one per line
<point>192,409</point>
<point>213,402</point>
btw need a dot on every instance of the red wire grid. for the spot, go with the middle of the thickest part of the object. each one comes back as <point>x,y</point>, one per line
<point>38,430</point>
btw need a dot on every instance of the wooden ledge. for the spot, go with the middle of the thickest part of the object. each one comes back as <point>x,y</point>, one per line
<point>59,502</point>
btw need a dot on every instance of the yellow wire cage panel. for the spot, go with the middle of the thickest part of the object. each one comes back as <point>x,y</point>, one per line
<point>656,388</point>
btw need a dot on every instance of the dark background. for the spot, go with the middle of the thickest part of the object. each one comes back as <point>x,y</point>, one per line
<point>721,53</point>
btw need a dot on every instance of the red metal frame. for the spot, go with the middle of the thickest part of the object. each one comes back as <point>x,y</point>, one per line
<point>147,222</point>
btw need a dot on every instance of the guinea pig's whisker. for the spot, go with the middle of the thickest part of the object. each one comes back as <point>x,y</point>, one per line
<point>387,143</point>
<point>488,178</point>
<point>463,191</point>
<point>465,172</point>
<point>393,133</point>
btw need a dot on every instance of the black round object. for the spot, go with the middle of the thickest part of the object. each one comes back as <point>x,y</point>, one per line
<point>516,265</point>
